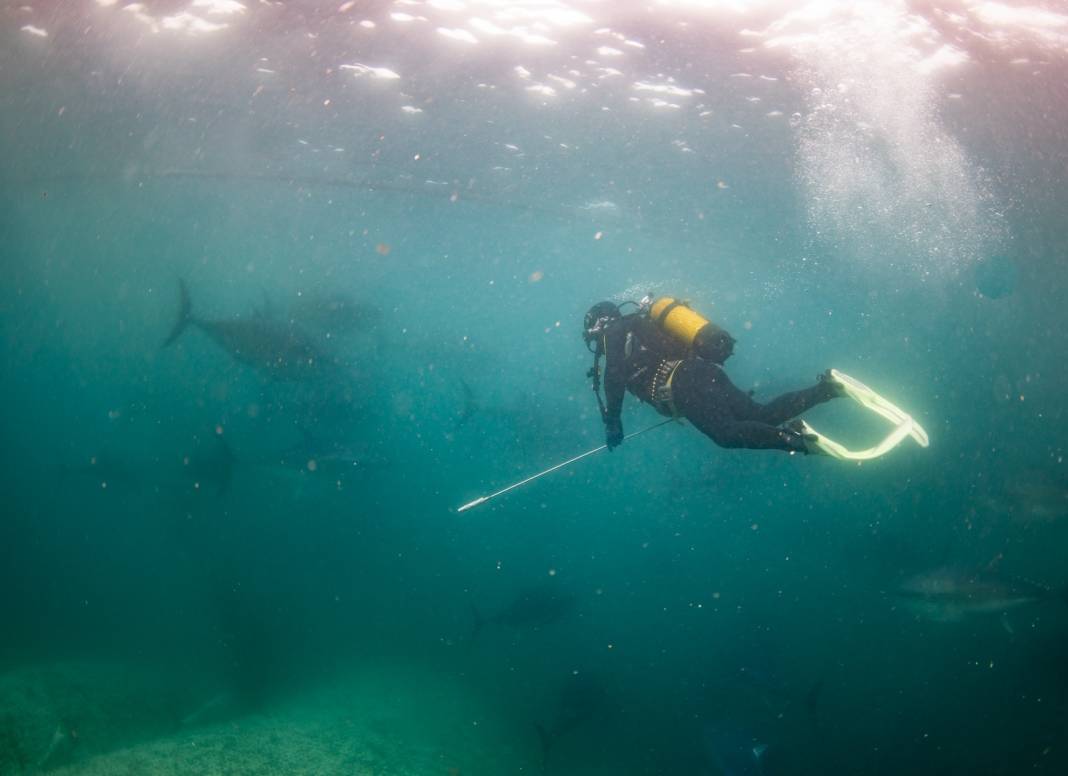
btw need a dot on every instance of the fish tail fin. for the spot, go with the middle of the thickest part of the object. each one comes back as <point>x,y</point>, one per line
<point>469,408</point>
<point>185,314</point>
<point>469,395</point>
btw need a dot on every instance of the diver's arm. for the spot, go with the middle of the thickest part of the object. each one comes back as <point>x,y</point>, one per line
<point>615,384</point>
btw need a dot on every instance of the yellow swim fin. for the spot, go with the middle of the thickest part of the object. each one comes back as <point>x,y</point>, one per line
<point>904,425</point>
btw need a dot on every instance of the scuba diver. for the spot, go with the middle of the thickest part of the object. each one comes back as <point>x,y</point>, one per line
<point>672,358</point>
<point>669,356</point>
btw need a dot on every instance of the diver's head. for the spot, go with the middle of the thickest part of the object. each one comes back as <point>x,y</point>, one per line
<point>597,318</point>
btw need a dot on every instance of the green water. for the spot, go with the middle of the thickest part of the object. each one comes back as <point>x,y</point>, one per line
<point>190,583</point>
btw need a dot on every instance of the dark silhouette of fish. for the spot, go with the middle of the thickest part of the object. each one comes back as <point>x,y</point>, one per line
<point>336,314</point>
<point>533,608</point>
<point>581,698</point>
<point>1027,497</point>
<point>949,594</point>
<point>276,348</point>
<point>469,407</point>
<point>332,458</point>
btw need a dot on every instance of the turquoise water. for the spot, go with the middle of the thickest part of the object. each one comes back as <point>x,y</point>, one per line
<point>192,582</point>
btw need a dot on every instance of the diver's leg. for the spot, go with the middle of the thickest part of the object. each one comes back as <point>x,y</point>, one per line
<point>751,435</point>
<point>712,383</point>
<point>705,397</point>
<point>790,405</point>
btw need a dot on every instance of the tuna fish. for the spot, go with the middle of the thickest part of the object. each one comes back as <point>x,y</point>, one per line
<point>334,314</point>
<point>532,609</point>
<point>948,594</point>
<point>275,348</point>
<point>329,458</point>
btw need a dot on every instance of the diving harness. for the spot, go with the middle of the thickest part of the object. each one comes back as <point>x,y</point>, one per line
<point>661,395</point>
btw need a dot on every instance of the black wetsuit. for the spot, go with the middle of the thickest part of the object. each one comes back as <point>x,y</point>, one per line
<point>700,390</point>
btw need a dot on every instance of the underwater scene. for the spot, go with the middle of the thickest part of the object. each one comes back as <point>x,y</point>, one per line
<point>558,387</point>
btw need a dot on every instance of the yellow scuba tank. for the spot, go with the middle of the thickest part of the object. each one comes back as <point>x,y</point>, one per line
<point>702,337</point>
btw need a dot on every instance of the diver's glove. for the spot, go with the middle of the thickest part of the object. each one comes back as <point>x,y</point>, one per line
<point>613,433</point>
